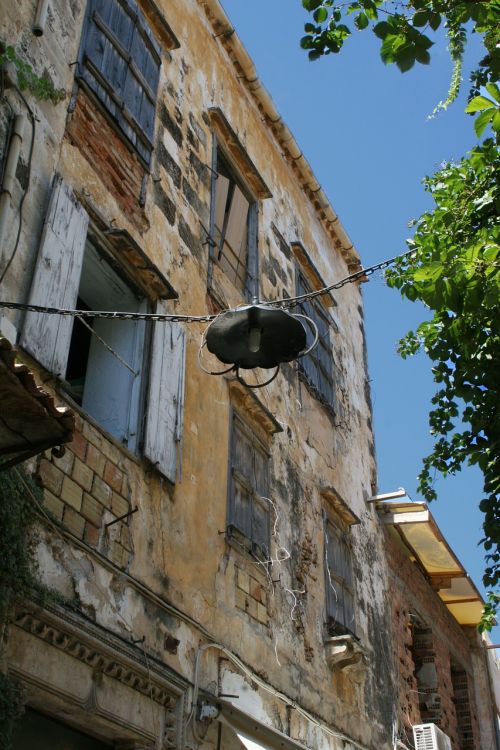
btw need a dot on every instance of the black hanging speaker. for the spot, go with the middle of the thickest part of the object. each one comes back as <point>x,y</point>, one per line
<point>256,336</point>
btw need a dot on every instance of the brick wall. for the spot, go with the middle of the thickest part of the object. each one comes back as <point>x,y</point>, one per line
<point>251,596</point>
<point>116,165</point>
<point>87,488</point>
<point>430,649</point>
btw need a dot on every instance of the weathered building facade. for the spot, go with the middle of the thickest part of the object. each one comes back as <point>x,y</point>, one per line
<point>214,574</point>
<point>165,181</point>
<point>445,675</point>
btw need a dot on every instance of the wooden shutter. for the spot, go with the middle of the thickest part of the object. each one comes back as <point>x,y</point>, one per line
<point>166,396</point>
<point>120,61</point>
<point>221,190</point>
<point>237,224</point>
<point>56,279</point>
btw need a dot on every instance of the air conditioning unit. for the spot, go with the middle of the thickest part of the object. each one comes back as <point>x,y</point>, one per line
<point>430,737</point>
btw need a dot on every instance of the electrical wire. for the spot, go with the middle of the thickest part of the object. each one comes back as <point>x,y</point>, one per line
<point>284,303</point>
<point>262,684</point>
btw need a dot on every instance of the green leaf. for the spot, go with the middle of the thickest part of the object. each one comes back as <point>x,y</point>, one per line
<point>481,122</point>
<point>493,91</point>
<point>429,272</point>
<point>434,21</point>
<point>361,21</point>
<point>311,5</point>
<point>405,58</point>
<point>307,42</point>
<point>422,56</point>
<point>381,29</point>
<point>310,28</point>
<point>421,18</point>
<point>320,15</point>
<point>496,122</point>
<point>478,104</point>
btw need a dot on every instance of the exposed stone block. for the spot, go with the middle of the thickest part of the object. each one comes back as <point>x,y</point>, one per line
<point>164,203</point>
<point>51,477</point>
<point>91,534</point>
<point>82,474</point>
<point>113,476</point>
<point>243,581</point>
<point>262,614</point>
<point>96,460</point>
<point>241,599</point>
<point>169,124</point>
<point>170,165</point>
<point>193,243</point>
<point>101,491</point>
<point>119,506</point>
<point>79,445</point>
<point>92,510</point>
<point>53,505</point>
<point>65,463</point>
<point>71,493</point>
<point>74,522</point>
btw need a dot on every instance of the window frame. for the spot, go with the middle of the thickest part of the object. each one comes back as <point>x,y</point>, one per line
<point>133,437</point>
<point>316,307</point>
<point>111,97</point>
<point>235,532</point>
<point>56,282</point>
<point>249,290</point>
<point>341,581</point>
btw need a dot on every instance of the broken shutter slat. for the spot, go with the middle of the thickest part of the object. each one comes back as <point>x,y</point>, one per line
<point>166,397</point>
<point>56,278</point>
<point>237,223</point>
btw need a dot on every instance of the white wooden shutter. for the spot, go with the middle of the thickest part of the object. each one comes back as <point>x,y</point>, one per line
<point>56,279</point>
<point>166,397</point>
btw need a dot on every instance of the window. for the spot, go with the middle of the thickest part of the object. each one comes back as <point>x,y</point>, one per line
<point>120,62</point>
<point>135,392</point>
<point>248,517</point>
<point>317,367</point>
<point>106,378</point>
<point>338,574</point>
<point>234,228</point>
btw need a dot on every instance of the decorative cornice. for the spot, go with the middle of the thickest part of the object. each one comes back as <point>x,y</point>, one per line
<point>103,652</point>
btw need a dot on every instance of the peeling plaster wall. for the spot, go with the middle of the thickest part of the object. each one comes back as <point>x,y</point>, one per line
<point>167,575</point>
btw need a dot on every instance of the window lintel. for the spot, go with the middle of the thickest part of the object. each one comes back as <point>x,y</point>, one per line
<point>159,24</point>
<point>339,506</point>
<point>254,410</point>
<point>238,154</point>
<point>311,272</point>
<point>128,253</point>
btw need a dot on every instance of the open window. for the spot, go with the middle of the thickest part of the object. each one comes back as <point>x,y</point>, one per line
<point>234,230</point>
<point>133,390</point>
<point>105,371</point>
<point>248,511</point>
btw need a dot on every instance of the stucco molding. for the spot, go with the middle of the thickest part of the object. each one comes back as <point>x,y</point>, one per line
<point>106,659</point>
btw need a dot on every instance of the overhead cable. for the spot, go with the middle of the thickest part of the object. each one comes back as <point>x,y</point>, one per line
<point>181,318</point>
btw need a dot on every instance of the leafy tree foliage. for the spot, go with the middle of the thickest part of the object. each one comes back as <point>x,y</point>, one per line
<point>455,267</point>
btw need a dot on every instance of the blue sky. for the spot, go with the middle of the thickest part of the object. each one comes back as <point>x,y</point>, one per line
<point>364,128</point>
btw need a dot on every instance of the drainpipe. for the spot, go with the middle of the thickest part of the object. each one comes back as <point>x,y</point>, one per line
<point>41,17</point>
<point>10,172</point>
